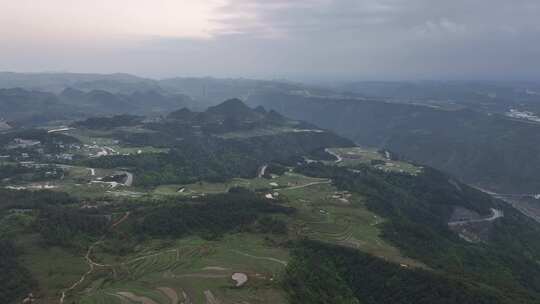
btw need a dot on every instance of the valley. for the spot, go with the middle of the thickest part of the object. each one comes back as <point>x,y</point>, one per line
<point>270,152</point>
<point>218,206</point>
<point>483,147</point>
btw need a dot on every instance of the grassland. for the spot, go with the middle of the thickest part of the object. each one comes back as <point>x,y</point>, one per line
<point>368,156</point>
<point>54,268</point>
<point>339,217</point>
<point>77,182</point>
<point>193,270</point>
<point>324,213</point>
<point>189,270</point>
<point>272,130</point>
<point>286,180</point>
<point>197,270</point>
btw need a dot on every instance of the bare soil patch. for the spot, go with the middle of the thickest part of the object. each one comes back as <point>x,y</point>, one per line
<point>210,298</point>
<point>135,298</point>
<point>170,293</point>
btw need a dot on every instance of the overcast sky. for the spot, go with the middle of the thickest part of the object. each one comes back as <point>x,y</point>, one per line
<point>295,39</point>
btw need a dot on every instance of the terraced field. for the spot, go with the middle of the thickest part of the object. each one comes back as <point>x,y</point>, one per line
<point>325,213</point>
<point>193,270</point>
<point>338,217</point>
<point>189,271</point>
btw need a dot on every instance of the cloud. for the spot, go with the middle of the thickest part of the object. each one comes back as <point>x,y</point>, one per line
<point>300,39</point>
<point>440,27</point>
<point>105,18</point>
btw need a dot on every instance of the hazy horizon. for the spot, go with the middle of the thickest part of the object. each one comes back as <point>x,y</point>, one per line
<point>308,41</point>
<point>307,81</point>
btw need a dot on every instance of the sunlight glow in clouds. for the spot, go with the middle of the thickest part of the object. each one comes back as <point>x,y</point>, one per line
<point>107,18</point>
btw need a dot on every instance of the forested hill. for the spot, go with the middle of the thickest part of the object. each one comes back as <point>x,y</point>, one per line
<point>504,259</point>
<point>492,151</point>
<point>225,141</point>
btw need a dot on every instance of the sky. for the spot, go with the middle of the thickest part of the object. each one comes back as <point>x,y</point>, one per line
<point>304,40</point>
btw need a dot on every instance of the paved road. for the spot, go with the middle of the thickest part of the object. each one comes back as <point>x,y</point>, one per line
<point>60,130</point>
<point>262,171</point>
<point>307,185</point>
<point>495,215</point>
<point>129,178</point>
<point>339,158</point>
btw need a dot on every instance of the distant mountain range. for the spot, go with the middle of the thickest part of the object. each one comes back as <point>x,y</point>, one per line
<point>57,82</point>
<point>483,132</point>
<point>482,95</point>
<point>206,90</point>
<point>22,106</point>
<point>227,140</point>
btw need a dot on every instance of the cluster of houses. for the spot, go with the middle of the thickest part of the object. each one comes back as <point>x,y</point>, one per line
<point>523,115</point>
<point>19,143</point>
<point>36,148</point>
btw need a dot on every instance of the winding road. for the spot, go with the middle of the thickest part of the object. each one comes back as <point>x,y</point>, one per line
<point>129,179</point>
<point>262,171</point>
<point>495,215</point>
<point>339,158</point>
<point>89,260</point>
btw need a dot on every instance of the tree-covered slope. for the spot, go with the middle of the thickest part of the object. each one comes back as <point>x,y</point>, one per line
<point>419,209</point>
<point>226,141</point>
<point>491,151</point>
<point>347,276</point>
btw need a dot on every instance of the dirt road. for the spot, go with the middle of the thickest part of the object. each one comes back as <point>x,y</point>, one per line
<point>89,260</point>
<point>135,298</point>
<point>261,258</point>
